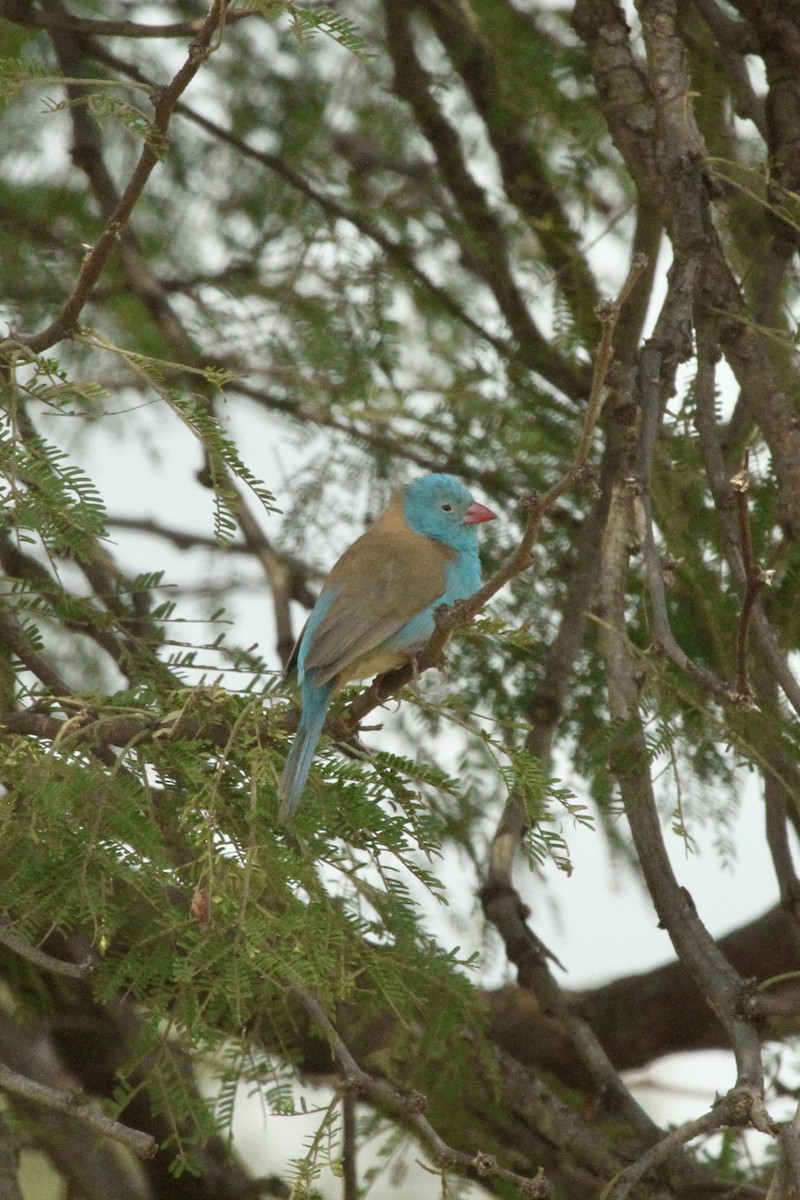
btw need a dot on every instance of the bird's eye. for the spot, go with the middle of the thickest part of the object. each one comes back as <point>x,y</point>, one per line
<point>447,508</point>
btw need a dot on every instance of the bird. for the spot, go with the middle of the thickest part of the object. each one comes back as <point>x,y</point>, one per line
<point>376,608</point>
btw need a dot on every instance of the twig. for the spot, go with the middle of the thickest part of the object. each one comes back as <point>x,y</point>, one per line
<point>77,1105</point>
<point>33,954</point>
<point>664,640</point>
<point>719,481</point>
<point>411,1108</point>
<point>755,577</point>
<point>520,559</point>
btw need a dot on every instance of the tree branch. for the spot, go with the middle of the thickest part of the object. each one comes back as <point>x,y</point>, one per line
<point>39,958</point>
<point>715,977</point>
<point>732,1109</point>
<point>484,242</point>
<point>524,172</point>
<point>20,13</point>
<point>95,260</point>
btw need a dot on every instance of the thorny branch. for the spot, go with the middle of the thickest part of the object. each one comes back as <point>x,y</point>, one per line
<point>411,1109</point>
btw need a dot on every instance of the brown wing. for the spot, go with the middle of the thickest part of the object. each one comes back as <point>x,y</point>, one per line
<point>383,580</point>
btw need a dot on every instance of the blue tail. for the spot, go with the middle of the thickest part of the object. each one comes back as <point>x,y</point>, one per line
<point>298,763</point>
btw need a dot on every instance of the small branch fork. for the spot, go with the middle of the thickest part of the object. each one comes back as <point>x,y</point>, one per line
<point>411,1109</point>
<point>729,1111</point>
<point>451,617</point>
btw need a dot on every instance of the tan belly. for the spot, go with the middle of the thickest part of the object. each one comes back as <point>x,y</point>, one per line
<point>373,663</point>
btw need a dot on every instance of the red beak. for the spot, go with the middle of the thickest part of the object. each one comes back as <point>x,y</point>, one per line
<point>476,514</point>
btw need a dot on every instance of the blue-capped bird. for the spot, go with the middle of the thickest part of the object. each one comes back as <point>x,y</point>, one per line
<point>375,610</point>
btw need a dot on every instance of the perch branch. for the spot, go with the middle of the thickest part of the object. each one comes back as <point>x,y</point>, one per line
<point>448,619</point>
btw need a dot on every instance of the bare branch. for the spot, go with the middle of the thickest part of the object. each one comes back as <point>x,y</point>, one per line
<point>349,1147</point>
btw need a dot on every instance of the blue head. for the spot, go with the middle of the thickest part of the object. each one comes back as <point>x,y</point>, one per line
<point>440,507</point>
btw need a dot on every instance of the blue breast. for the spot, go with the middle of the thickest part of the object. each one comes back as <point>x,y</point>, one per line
<point>462,579</point>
